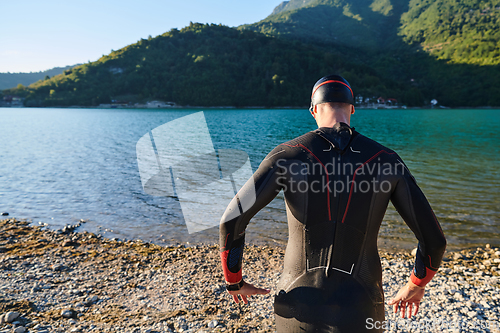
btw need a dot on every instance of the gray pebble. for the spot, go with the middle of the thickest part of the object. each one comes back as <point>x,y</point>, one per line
<point>11,316</point>
<point>67,313</point>
<point>213,324</point>
<point>90,300</point>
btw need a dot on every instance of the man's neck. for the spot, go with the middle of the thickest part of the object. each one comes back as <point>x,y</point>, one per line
<point>331,121</point>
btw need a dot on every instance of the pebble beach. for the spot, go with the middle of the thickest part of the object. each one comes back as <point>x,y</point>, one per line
<point>67,281</point>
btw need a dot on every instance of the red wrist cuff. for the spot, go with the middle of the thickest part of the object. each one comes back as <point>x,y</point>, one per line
<point>429,274</point>
<point>228,275</point>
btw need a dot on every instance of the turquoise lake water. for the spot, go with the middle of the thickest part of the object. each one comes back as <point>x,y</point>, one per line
<point>58,166</point>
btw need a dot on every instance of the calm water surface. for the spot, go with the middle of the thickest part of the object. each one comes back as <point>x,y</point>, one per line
<point>58,166</point>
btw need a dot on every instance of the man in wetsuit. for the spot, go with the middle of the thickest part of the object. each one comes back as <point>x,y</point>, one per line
<point>337,185</point>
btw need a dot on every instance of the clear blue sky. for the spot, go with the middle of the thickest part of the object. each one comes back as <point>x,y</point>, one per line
<point>38,35</point>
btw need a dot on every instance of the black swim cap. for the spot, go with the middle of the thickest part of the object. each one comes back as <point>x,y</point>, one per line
<point>332,88</point>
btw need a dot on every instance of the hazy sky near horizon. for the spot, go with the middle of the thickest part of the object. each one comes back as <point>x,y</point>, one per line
<point>40,35</point>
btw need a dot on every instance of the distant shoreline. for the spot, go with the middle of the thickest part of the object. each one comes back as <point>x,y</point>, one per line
<point>245,107</point>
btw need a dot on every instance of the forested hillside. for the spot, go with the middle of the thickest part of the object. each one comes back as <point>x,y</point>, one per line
<point>412,51</point>
<point>290,5</point>
<point>363,24</point>
<point>461,31</point>
<point>206,65</point>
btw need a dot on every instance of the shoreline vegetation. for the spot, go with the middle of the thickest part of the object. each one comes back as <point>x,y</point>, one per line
<point>62,281</point>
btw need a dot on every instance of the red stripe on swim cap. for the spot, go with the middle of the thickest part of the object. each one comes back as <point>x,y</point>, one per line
<point>332,81</point>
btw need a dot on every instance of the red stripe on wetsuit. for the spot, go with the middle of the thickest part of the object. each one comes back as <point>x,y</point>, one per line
<point>228,275</point>
<point>429,274</point>
<point>326,171</point>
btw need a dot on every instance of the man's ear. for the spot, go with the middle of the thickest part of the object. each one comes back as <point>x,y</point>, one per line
<point>352,109</point>
<point>313,110</point>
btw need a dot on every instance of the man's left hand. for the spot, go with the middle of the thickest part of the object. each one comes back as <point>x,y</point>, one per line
<point>408,296</point>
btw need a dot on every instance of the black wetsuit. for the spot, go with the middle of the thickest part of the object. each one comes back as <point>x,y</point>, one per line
<point>337,185</point>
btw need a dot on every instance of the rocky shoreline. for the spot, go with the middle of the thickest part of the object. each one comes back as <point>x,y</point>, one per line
<point>61,281</point>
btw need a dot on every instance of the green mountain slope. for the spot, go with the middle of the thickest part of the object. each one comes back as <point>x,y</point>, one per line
<point>206,65</point>
<point>10,80</point>
<point>290,5</point>
<point>461,31</point>
<point>365,24</point>
<point>373,43</point>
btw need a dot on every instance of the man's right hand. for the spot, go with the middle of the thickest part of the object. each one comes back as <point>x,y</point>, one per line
<point>247,290</point>
<point>410,295</point>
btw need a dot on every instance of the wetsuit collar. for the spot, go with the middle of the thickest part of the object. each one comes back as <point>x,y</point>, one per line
<point>339,136</point>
